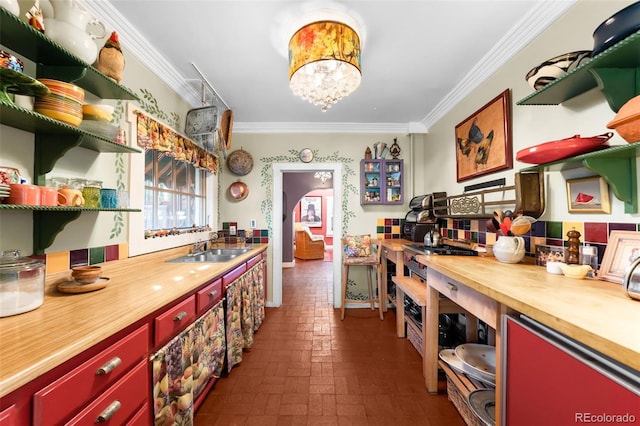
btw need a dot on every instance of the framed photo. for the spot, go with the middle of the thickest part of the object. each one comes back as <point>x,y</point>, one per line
<point>588,195</point>
<point>622,249</point>
<point>546,254</point>
<point>483,140</point>
<point>311,211</point>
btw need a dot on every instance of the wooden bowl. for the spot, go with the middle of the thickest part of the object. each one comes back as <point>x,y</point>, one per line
<point>86,274</point>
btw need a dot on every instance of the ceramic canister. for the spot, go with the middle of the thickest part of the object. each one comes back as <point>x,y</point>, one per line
<point>24,194</point>
<point>49,196</point>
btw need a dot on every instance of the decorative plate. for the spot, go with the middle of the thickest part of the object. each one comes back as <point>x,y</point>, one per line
<point>478,357</point>
<point>306,155</point>
<point>238,190</point>
<point>9,175</point>
<point>483,404</point>
<point>16,82</point>
<point>240,162</point>
<point>564,148</point>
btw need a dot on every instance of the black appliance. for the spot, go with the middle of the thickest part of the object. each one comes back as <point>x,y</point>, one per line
<point>441,250</point>
<point>420,220</point>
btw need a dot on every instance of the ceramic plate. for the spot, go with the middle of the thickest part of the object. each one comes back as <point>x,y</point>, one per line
<point>557,150</point>
<point>449,356</point>
<point>479,358</point>
<point>483,403</point>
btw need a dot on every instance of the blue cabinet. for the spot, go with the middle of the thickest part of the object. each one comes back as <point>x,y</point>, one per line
<point>381,181</point>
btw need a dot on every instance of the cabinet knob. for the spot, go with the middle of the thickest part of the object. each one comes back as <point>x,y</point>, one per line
<point>108,412</point>
<point>180,316</point>
<point>452,286</point>
<point>109,366</point>
<point>213,293</point>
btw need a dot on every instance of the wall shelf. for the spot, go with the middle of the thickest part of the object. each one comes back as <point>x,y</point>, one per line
<point>54,61</point>
<point>616,71</point>
<point>617,165</point>
<point>49,221</point>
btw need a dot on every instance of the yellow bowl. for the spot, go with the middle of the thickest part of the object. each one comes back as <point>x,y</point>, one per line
<point>73,120</point>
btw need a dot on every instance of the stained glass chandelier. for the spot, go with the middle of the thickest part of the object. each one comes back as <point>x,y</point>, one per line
<point>324,62</point>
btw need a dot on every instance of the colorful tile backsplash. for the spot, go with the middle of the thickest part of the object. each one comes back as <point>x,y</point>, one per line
<point>65,260</point>
<point>542,232</point>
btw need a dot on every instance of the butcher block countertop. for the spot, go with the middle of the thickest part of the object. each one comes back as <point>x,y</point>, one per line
<point>596,313</point>
<point>68,324</point>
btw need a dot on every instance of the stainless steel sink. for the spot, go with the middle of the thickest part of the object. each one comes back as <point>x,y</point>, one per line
<point>203,257</point>
<point>212,256</point>
<point>228,251</point>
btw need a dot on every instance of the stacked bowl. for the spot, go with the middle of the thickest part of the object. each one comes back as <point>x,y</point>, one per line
<point>64,103</point>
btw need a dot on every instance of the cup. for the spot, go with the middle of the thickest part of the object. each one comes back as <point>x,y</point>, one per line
<point>108,198</point>
<point>123,199</point>
<point>49,196</point>
<point>91,195</point>
<point>24,194</point>
<point>73,197</point>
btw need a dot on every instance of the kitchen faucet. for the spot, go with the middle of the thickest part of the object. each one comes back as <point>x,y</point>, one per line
<point>199,246</point>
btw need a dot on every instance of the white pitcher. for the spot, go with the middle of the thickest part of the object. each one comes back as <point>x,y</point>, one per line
<point>509,249</point>
<point>67,11</point>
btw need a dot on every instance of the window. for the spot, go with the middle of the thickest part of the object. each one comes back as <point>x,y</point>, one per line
<point>174,193</point>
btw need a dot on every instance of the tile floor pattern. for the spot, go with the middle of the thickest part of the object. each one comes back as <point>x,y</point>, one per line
<point>309,368</point>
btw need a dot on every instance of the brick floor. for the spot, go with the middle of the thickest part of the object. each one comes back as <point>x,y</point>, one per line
<point>309,368</point>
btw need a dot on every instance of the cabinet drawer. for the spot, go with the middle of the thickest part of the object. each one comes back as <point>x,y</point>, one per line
<point>120,401</point>
<point>8,416</point>
<point>209,295</point>
<point>476,303</point>
<point>53,404</point>
<point>254,261</point>
<point>230,277</point>
<point>393,256</point>
<point>175,319</point>
<point>142,417</point>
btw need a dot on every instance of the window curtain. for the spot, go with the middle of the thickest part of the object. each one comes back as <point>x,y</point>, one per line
<point>152,134</point>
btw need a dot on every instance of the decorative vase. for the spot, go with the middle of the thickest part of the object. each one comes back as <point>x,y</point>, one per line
<point>509,249</point>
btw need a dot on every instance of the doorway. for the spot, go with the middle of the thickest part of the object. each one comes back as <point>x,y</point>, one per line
<point>278,177</point>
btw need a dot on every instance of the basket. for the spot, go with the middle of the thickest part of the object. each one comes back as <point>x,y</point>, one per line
<point>414,335</point>
<point>459,386</point>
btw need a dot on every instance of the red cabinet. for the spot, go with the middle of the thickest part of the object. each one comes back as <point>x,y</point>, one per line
<point>8,416</point>
<point>552,380</point>
<point>209,296</point>
<point>120,402</point>
<point>54,403</point>
<point>174,320</point>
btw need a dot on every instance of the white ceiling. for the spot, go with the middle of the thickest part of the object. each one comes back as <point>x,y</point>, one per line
<point>418,60</point>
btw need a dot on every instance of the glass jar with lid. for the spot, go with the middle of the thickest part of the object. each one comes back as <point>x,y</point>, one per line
<point>91,194</point>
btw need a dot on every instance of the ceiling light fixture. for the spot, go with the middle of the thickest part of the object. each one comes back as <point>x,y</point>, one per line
<point>323,176</point>
<point>324,62</point>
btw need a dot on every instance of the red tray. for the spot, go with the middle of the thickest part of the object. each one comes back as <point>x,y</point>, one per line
<point>564,148</point>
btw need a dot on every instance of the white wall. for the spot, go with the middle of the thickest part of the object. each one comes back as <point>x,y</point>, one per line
<point>586,114</point>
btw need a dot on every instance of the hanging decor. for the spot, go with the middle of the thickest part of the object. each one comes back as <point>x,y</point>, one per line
<point>152,134</point>
<point>324,62</point>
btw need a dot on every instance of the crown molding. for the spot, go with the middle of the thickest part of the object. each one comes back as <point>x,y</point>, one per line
<point>543,14</point>
<point>258,127</point>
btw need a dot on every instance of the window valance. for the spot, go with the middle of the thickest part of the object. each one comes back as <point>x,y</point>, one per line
<point>152,134</point>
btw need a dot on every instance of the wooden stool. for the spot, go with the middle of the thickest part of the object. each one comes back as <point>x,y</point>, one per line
<point>372,263</point>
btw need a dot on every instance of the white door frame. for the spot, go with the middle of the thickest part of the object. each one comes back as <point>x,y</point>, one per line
<point>278,176</point>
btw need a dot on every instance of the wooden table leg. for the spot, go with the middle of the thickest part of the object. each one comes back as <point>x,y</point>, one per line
<point>430,340</point>
<point>400,331</point>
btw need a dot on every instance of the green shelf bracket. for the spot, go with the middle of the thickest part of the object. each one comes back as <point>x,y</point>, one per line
<point>49,148</point>
<point>48,224</point>
<point>620,174</point>
<point>62,72</point>
<point>618,85</point>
